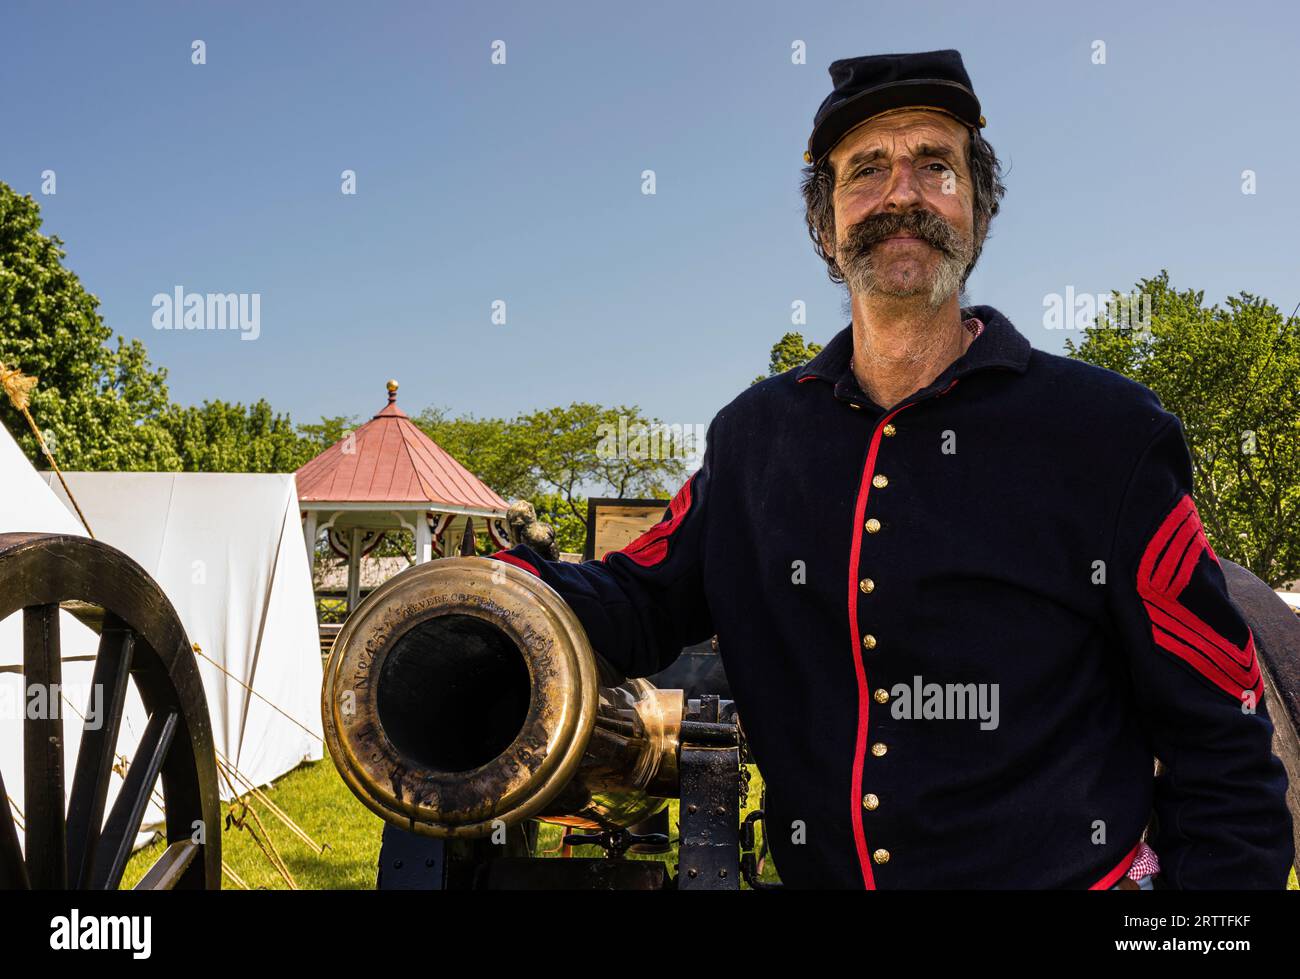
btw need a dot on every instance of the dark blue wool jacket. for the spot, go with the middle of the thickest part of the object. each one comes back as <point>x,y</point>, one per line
<point>958,631</point>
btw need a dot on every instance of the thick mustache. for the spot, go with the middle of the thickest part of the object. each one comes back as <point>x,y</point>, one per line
<point>926,225</point>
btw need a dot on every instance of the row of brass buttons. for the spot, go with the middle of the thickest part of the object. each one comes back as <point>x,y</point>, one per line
<point>871,801</point>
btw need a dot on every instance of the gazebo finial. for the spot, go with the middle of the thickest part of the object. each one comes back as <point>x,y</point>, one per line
<point>392,391</point>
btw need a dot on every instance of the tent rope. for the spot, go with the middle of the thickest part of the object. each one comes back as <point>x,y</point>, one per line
<point>276,811</point>
<point>241,822</point>
<point>19,386</point>
<point>22,820</point>
<point>224,765</point>
<point>229,872</point>
<point>198,651</point>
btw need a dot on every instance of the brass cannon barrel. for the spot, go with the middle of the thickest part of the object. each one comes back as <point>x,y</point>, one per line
<point>465,691</point>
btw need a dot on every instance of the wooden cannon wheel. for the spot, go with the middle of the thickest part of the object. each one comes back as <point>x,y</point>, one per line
<point>141,640</point>
<point>1277,643</point>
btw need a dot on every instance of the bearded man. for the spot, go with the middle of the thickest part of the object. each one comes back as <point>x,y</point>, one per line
<point>960,586</point>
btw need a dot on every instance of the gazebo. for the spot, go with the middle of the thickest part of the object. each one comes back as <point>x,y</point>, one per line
<point>388,475</point>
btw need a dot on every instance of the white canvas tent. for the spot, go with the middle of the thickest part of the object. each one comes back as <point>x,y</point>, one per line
<point>226,549</point>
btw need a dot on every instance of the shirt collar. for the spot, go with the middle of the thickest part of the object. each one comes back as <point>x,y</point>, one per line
<point>998,345</point>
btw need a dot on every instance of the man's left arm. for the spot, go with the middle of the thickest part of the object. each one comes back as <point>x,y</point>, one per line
<point>1220,805</point>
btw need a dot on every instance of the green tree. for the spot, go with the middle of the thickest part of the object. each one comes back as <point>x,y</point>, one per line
<point>570,531</point>
<point>330,429</point>
<point>224,437</point>
<point>614,452</point>
<point>99,404</point>
<point>1232,374</point>
<point>567,453</point>
<point>790,351</point>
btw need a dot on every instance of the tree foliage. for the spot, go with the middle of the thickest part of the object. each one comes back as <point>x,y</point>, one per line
<point>1232,374</point>
<point>224,437</point>
<point>790,351</point>
<point>565,452</point>
<point>100,405</point>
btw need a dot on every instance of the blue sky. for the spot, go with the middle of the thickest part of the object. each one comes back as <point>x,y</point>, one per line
<point>522,182</point>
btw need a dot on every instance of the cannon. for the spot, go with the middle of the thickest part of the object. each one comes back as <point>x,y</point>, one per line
<point>462,703</point>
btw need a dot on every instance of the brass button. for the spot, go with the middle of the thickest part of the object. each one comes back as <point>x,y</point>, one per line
<point>881,696</point>
<point>889,431</point>
<point>870,801</point>
<point>879,748</point>
<point>881,856</point>
<point>880,481</point>
<point>869,641</point>
<point>873,526</point>
<point>867,585</point>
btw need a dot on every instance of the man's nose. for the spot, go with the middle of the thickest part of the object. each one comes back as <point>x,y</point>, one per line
<point>904,191</point>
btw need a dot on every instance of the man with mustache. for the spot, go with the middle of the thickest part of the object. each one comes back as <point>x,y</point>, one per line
<point>931,502</point>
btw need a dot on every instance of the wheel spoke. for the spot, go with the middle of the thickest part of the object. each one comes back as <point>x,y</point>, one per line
<point>47,855</point>
<point>13,871</point>
<point>128,810</point>
<point>167,872</point>
<point>95,756</point>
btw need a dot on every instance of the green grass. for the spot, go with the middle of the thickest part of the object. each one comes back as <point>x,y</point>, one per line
<point>318,801</point>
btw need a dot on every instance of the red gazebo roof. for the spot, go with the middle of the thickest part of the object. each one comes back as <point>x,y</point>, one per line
<point>392,461</point>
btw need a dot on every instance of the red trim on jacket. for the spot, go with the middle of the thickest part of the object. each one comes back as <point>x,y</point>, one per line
<point>652,546</point>
<point>864,692</point>
<point>1120,870</point>
<point>518,562</point>
<point>1167,566</point>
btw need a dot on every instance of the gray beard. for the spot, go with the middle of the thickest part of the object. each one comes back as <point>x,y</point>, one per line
<point>861,279</point>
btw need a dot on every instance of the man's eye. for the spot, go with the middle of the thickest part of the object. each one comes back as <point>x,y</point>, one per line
<point>943,167</point>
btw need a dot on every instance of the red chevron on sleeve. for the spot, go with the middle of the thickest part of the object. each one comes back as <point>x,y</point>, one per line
<point>652,546</point>
<point>1167,565</point>
<point>518,562</point>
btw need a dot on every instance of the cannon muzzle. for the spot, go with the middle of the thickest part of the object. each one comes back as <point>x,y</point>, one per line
<point>463,694</point>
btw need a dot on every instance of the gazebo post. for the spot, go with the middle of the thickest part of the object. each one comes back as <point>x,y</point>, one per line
<point>423,539</point>
<point>354,570</point>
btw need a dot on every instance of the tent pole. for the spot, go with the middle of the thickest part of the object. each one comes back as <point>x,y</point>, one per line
<point>309,534</point>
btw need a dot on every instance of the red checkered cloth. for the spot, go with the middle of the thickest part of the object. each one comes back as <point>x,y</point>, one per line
<point>1146,862</point>
<point>975,325</point>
